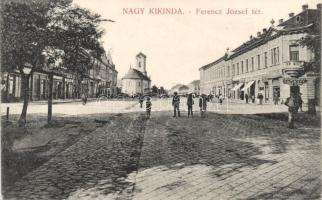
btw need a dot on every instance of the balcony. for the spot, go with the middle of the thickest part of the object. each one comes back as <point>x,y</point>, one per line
<point>293,69</point>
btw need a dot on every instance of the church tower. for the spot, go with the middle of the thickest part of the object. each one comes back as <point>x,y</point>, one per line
<point>141,63</point>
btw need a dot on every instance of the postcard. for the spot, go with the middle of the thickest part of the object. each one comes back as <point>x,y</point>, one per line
<point>144,100</point>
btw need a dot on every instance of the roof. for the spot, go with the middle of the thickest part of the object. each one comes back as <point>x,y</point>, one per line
<point>195,82</point>
<point>310,20</point>
<point>135,74</point>
<point>213,63</point>
<point>176,86</point>
<point>141,54</point>
<point>107,59</point>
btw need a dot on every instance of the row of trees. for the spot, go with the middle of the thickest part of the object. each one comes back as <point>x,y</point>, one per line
<point>51,34</point>
<point>156,90</point>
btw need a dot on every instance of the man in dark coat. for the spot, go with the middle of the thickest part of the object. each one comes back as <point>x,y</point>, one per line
<point>190,103</point>
<point>176,104</point>
<point>246,97</point>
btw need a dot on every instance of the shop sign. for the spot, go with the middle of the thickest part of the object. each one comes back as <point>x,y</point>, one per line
<point>294,81</point>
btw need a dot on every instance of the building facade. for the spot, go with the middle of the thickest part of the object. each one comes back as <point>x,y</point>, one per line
<point>194,87</point>
<point>101,78</point>
<point>136,81</point>
<point>258,65</point>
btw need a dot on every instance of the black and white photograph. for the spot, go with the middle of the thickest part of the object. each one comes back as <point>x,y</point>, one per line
<point>160,99</point>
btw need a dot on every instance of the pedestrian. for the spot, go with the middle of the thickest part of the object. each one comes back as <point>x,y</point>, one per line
<point>275,98</point>
<point>84,98</point>
<point>260,97</point>
<point>253,99</point>
<point>141,98</point>
<point>176,104</point>
<point>203,105</point>
<point>246,98</point>
<point>300,101</point>
<point>190,103</point>
<point>241,96</point>
<point>221,98</point>
<point>148,107</point>
<point>293,105</point>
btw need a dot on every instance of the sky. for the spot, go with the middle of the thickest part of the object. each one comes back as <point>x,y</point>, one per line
<point>176,46</point>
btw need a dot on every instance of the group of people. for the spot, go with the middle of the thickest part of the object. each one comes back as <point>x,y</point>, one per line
<point>190,102</point>
<point>294,104</point>
<point>176,104</point>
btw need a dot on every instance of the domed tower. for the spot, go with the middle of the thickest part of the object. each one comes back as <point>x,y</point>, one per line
<point>141,63</point>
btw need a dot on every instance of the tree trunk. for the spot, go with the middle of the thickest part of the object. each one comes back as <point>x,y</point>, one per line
<point>25,88</point>
<point>50,98</point>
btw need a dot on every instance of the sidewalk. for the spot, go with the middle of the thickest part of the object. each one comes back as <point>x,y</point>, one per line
<point>55,101</point>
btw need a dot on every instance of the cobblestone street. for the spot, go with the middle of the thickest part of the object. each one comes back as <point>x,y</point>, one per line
<point>218,157</point>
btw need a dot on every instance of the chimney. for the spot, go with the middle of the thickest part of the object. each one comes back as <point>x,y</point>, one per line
<point>280,21</point>
<point>318,6</point>
<point>250,37</point>
<point>264,30</point>
<point>258,34</point>
<point>305,7</point>
<point>291,15</point>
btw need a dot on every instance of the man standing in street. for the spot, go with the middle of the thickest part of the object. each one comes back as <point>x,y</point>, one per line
<point>246,97</point>
<point>190,104</point>
<point>175,104</point>
<point>292,103</point>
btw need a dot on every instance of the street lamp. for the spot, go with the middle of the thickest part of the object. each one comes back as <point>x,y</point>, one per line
<point>51,65</point>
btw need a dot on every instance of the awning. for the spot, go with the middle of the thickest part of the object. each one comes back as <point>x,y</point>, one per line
<point>237,86</point>
<point>250,83</point>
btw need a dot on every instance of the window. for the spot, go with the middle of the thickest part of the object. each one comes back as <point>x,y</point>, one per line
<point>139,84</point>
<point>258,61</point>
<point>237,68</point>
<point>278,55</point>
<point>294,53</point>
<point>228,70</point>
<point>242,66</point>
<point>246,65</point>
<point>272,57</point>
<point>233,69</point>
<point>275,56</point>
<point>252,63</point>
<point>265,57</point>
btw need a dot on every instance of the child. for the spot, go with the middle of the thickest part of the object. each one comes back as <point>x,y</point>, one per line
<point>148,107</point>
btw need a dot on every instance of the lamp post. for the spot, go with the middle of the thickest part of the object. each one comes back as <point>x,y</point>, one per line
<point>50,92</point>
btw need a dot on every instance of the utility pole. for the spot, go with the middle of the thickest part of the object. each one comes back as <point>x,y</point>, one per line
<point>50,97</point>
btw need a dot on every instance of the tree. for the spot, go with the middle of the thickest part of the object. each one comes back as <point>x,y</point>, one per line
<point>162,91</point>
<point>313,42</point>
<point>154,89</point>
<point>79,35</point>
<point>32,31</point>
<point>23,36</point>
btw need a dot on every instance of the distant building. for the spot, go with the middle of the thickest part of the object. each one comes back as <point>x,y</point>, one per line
<point>105,76</point>
<point>180,89</point>
<point>194,87</point>
<point>258,64</point>
<point>136,80</point>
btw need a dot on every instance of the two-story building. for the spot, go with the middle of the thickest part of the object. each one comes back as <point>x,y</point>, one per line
<point>101,78</point>
<point>257,66</point>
